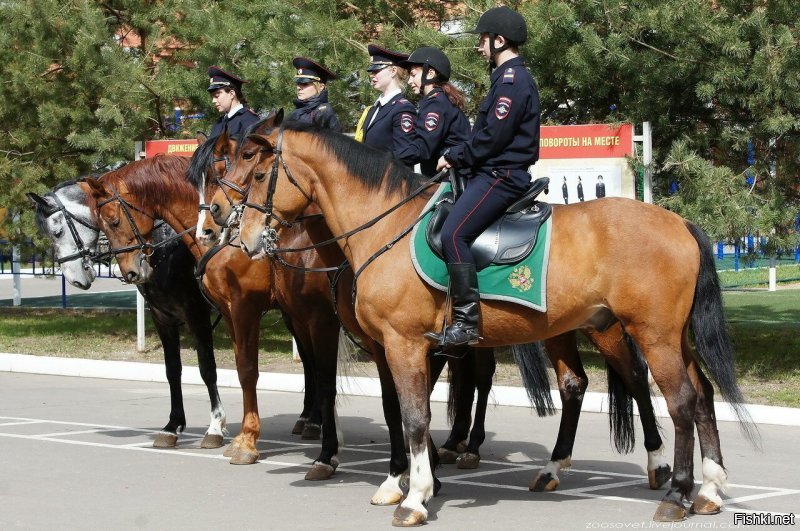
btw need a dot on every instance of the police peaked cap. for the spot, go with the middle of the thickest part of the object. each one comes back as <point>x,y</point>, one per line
<point>380,58</point>
<point>503,21</point>
<point>434,57</point>
<point>309,71</point>
<point>219,78</point>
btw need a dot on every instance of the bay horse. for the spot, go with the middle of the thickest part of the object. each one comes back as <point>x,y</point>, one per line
<point>626,370</point>
<point>172,295</point>
<point>241,289</point>
<point>651,274</point>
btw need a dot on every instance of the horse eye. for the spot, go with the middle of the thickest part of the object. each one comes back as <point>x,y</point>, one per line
<point>260,176</point>
<point>248,155</point>
<point>58,233</point>
<point>114,222</point>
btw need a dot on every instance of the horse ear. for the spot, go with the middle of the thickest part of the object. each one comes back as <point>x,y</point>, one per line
<point>201,137</point>
<point>36,199</point>
<point>97,189</point>
<point>278,117</point>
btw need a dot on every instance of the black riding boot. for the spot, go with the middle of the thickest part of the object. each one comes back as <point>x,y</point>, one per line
<point>465,299</point>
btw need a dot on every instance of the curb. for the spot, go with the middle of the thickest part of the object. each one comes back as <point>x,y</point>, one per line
<point>593,402</point>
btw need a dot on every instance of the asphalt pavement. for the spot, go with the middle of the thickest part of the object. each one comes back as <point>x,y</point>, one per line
<point>77,455</point>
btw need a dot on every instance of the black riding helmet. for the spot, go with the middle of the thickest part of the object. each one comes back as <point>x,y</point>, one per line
<point>502,21</point>
<point>429,57</point>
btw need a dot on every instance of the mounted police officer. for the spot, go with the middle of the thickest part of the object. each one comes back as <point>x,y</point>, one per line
<point>503,145</point>
<point>226,93</point>
<point>441,122</point>
<point>311,104</point>
<point>389,123</point>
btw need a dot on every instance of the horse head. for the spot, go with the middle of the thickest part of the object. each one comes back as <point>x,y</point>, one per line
<point>227,193</point>
<point>124,224</point>
<point>276,194</point>
<point>63,216</point>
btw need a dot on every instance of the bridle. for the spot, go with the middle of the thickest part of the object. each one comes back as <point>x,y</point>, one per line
<point>142,245</point>
<point>86,254</point>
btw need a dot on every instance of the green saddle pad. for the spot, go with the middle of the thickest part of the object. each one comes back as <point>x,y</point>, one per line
<point>523,283</point>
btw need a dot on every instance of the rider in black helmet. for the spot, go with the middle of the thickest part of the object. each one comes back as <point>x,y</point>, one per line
<point>503,145</point>
<point>441,122</point>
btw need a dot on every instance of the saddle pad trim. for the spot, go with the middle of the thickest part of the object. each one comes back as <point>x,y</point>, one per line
<point>548,225</point>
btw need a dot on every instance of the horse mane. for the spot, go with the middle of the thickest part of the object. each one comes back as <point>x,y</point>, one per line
<point>201,160</point>
<point>374,168</point>
<point>151,180</point>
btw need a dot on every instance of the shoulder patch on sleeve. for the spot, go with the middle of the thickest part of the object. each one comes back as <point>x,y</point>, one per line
<point>322,107</point>
<point>432,120</point>
<point>508,76</point>
<point>407,122</point>
<point>502,108</point>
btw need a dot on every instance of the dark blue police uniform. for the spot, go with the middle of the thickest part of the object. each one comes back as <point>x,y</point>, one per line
<point>317,109</point>
<point>393,127</point>
<point>242,118</point>
<point>503,145</point>
<point>389,125</point>
<point>440,125</point>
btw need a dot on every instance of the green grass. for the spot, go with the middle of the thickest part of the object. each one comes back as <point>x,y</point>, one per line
<point>764,328</point>
<point>759,276</point>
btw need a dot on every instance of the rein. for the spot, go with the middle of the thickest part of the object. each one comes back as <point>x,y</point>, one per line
<point>142,245</point>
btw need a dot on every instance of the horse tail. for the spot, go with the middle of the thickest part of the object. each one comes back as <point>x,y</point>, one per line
<point>461,376</point>
<point>711,337</point>
<point>620,413</point>
<point>454,378</point>
<point>532,366</point>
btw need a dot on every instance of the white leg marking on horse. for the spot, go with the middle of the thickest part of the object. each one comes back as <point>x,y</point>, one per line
<point>390,485</point>
<point>714,477</point>
<point>339,432</point>
<point>217,426</point>
<point>554,467</point>
<point>201,218</point>
<point>420,489</point>
<point>657,458</point>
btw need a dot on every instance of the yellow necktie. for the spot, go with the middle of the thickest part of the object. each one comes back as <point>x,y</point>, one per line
<point>359,136</point>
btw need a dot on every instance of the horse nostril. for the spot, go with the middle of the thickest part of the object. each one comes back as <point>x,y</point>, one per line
<point>208,232</point>
<point>132,276</point>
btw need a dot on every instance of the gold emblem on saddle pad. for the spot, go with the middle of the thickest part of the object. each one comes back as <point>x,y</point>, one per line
<point>521,278</point>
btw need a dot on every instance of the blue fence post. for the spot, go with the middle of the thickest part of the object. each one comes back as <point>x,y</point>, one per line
<point>736,256</point>
<point>720,250</point>
<point>63,291</point>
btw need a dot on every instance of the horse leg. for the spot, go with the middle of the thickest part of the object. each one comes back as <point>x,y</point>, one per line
<point>171,343</point>
<point>325,348</point>
<point>663,353</point>
<point>408,361</point>
<point>715,476</point>
<point>390,491</point>
<point>200,326</point>
<point>485,364</point>
<point>572,382</point>
<point>626,363</point>
<point>243,323</point>
<point>459,402</point>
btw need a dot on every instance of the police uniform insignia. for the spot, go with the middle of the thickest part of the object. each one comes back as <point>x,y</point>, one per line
<point>508,76</point>
<point>406,122</point>
<point>322,107</point>
<point>431,121</point>
<point>502,108</point>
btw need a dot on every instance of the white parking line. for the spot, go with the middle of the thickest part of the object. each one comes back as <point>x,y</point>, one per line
<point>286,446</point>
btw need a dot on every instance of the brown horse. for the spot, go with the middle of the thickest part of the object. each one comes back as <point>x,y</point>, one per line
<point>652,274</point>
<point>241,288</point>
<point>627,372</point>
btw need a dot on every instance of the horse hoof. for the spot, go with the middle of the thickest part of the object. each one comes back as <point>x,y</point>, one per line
<point>298,426</point>
<point>670,511</point>
<point>386,497</point>
<point>232,449</point>
<point>165,440</point>
<point>469,461</point>
<point>544,483</point>
<point>244,457</point>
<point>320,472</point>
<point>405,517</point>
<point>211,440</point>
<point>461,447</point>
<point>703,505</point>
<point>659,476</point>
<point>311,432</point>
<point>447,457</point>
